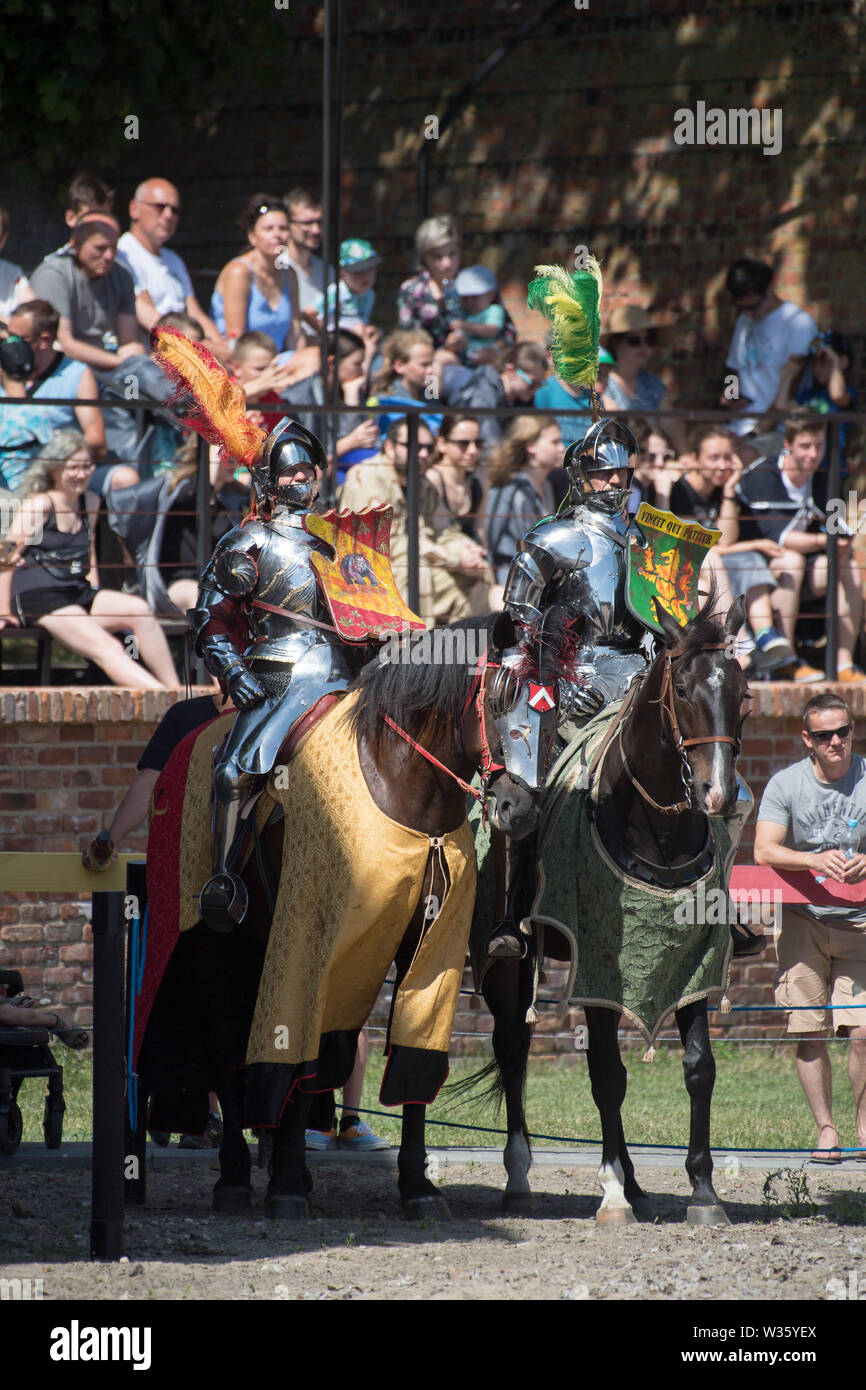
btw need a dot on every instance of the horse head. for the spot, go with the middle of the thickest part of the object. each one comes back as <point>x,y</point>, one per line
<point>521,711</point>
<point>702,692</point>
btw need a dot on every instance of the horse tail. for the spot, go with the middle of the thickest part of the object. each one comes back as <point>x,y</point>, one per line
<point>489,1077</point>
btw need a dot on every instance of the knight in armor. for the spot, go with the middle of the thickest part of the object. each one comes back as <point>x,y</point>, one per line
<point>580,559</point>
<point>261,623</point>
<point>262,628</point>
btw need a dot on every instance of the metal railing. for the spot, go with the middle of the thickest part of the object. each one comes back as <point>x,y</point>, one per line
<point>315,417</point>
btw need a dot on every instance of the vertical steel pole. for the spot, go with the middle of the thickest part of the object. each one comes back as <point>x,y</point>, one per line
<point>106,1217</point>
<point>329,437</point>
<point>831,660</point>
<point>412,507</point>
<point>203,545</point>
<point>135,1144</point>
<point>338,184</point>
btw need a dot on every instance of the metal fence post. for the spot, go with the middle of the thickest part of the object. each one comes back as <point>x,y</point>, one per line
<point>203,543</point>
<point>412,506</point>
<point>831,656</point>
<point>106,1223</point>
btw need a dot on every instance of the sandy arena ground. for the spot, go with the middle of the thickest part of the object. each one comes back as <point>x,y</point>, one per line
<point>358,1246</point>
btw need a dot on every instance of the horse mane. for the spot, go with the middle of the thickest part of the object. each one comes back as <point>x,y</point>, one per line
<point>705,628</point>
<point>407,683</point>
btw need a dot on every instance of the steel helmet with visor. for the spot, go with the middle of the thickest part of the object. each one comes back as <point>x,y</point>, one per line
<point>290,445</point>
<point>608,445</point>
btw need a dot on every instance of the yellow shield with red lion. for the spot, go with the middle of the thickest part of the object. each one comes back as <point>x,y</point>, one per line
<point>667,567</point>
<point>358,584</point>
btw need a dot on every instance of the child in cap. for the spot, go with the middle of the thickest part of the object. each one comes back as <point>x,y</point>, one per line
<point>605,361</point>
<point>358,263</point>
<point>483,320</point>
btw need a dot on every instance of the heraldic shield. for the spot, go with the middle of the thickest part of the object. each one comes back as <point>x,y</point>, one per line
<point>358,584</point>
<point>667,567</point>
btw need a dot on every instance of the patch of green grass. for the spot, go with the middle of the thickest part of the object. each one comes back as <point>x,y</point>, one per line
<point>786,1194</point>
<point>757,1101</point>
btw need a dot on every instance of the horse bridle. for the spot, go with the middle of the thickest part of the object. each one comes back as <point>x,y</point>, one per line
<point>488,767</point>
<point>666,700</point>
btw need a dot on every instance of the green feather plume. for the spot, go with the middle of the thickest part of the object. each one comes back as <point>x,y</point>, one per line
<point>571,302</point>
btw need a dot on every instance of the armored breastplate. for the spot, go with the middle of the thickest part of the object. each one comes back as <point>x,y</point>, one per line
<point>287,581</point>
<point>596,587</point>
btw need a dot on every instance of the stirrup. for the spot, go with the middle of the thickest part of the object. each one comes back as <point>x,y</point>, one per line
<point>507,943</point>
<point>223,902</point>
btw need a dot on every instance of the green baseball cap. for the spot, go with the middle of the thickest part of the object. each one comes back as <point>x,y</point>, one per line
<point>357,255</point>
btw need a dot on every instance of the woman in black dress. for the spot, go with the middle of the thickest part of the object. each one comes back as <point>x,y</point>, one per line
<point>53,580</point>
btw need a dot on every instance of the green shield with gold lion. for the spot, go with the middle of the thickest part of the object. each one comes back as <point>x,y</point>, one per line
<point>667,567</point>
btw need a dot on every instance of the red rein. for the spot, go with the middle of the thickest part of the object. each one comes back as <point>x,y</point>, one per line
<point>488,766</point>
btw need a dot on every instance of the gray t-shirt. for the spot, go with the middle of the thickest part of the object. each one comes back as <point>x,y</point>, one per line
<point>814,814</point>
<point>310,286</point>
<point>92,306</point>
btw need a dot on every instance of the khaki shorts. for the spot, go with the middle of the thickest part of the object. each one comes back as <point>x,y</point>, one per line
<point>820,964</point>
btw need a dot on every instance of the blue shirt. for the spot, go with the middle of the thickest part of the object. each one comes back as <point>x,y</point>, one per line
<point>354,308</point>
<point>817,398</point>
<point>553,396</point>
<point>261,318</point>
<point>23,431</point>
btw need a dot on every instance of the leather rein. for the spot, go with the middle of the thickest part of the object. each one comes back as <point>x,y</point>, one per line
<point>666,700</point>
<point>488,766</point>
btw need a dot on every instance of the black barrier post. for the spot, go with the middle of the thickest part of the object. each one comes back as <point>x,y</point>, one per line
<point>412,493</point>
<point>831,657</point>
<point>106,1213</point>
<point>135,1146</point>
<point>203,546</point>
<point>329,434</point>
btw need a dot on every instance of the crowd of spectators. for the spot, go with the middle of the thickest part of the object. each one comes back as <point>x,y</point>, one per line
<point>80,324</point>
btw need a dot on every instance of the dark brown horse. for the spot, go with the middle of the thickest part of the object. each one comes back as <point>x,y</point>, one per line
<point>424,727</point>
<point>672,764</point>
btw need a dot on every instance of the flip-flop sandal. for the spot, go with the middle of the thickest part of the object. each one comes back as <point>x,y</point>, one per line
<point>69,1035</point>
<point>832,1155</point>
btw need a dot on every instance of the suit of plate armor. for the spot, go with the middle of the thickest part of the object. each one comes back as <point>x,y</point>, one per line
<point>581,560</point>
<point>274,665</point>
<point>578,560</point>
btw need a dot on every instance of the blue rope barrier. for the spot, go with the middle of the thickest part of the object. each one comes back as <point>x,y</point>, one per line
<point>566,1139</point>
<point>713,1009</point>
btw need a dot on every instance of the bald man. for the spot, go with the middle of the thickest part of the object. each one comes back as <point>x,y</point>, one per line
<point>162,283</point>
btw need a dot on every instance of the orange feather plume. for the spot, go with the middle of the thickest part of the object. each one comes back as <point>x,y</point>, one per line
<point>221,416</point>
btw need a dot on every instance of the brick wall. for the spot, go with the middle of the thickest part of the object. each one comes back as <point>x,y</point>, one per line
<point>66,758</point>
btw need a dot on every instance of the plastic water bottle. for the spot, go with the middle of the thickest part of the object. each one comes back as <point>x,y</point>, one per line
<point>849,839</point>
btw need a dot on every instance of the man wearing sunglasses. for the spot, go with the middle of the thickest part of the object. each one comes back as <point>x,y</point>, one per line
<point>768,331</point>
<point>385,478</point>
<point>162,282</point>
<point>305,238</point>
<point>804,819</point>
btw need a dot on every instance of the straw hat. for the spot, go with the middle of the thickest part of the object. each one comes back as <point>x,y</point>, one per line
<point>630,318</point>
